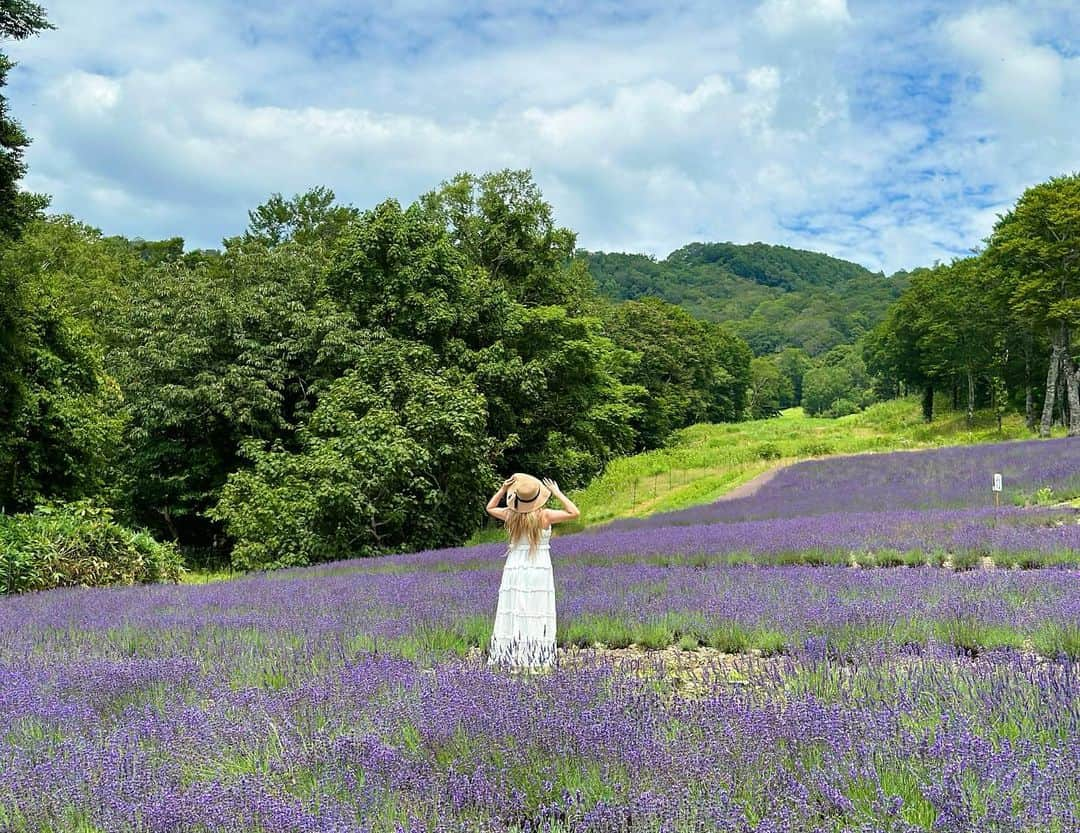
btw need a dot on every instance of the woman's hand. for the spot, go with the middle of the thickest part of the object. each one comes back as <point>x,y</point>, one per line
<point>493,507</point>
<point>568,513</point>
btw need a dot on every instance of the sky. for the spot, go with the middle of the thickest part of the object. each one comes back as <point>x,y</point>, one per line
<point>887,133</point>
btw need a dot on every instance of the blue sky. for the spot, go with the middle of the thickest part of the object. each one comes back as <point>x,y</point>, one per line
<point>888,133</point>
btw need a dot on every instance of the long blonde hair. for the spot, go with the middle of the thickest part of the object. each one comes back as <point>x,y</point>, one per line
<point>525,525</point>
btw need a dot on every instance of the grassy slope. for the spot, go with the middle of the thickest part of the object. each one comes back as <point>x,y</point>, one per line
<point>705,461</point>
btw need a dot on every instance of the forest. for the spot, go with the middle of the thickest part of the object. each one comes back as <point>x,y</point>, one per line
<point>996,328</point>
<point>333,382</point>
<point>773,296</point>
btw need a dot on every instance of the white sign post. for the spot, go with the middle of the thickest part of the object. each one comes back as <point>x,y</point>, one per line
<point>997,490</point>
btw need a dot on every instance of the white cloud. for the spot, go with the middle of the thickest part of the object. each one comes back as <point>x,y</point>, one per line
<point>852,131</point>
<point>784,17</point>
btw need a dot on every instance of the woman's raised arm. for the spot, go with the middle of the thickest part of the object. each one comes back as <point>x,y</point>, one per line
<point>493,507</point>
<point>569,510</point>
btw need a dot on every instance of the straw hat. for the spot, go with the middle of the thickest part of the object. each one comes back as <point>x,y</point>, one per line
<point>526,493</point>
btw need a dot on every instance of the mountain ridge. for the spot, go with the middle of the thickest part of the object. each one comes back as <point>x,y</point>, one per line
<point>773,296</point>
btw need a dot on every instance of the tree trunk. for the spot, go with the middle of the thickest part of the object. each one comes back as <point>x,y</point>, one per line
<point>1051,390</point>
<point>1072,385</point>
<point>1062,403</point>
<point>1029,396</point>
<point>955,395</point>
<point>928,403</point>
<point>971,398</point>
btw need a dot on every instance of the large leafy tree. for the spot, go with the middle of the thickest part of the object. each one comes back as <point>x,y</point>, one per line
<point>18,20</point>
<point>896,348</point>
<point>392,458</point>
<point>769,387</point>
<point>793,362</point>
<point>213,355</point>
<point>1038,245</point>
<point>550,376</point>
<point>691,369</point>
<point>311,217</point>
<point>59,415</point>
<point>958,337</point>
<point>501,222</point>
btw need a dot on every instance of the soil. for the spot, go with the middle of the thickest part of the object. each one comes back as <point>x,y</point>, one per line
<point>751,487</point>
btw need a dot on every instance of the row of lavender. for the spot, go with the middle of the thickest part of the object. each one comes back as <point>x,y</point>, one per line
<point>944,478</point>
<point>1025,537</point>
<point>896,743</point>
<point>245,629</point>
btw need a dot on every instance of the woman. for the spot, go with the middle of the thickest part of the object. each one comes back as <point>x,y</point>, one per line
<point>524,634</point>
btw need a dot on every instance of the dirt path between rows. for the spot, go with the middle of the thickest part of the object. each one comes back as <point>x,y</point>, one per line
<point>751,487</point>
<point>704,671</point>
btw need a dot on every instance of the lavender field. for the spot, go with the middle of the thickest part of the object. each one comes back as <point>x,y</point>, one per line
<point>826,697</point>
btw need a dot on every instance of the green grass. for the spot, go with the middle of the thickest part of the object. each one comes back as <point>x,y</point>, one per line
<point>195,575</point>
<point>705,461</point>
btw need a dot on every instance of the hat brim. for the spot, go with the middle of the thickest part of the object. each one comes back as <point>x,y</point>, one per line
<point>524,506</point>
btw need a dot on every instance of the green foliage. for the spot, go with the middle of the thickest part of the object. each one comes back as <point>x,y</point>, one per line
<point>19,20</point>
<point>501,223</point>
<point>60,414</point>
<point>1035,243</point>
<point>83,276</point>
<point>393,458</point>
<point>773,296</point>
<point>215,354</point>
<point>691,371</point>
<point>978,324</point>
<point>769,389</point>
<point>78,544</point>
<point>823,388</point>
<point>793,362</point>
<point>309,218</point>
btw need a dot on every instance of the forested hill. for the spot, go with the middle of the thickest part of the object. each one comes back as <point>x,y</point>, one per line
<point>773,296</point>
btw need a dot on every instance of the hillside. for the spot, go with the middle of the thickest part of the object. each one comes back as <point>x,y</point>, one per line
<point>773,296</point>
<point>706,461</point>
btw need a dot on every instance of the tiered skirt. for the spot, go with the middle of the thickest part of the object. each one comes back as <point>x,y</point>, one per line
<point>524,632</point>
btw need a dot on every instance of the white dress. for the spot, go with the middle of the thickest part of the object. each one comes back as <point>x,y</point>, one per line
<point>524,633</point>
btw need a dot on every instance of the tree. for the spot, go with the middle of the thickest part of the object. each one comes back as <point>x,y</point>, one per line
<point>501,223</point>
<point>896,347</point>
<point>1038,243</point>
<point>957,335</point>
<point>311,217</point>
<point>824,387</point>
<point>793,362</point>
<point>214,355</point>
<point>768,387</point>
<point>539,355</point>
<point>60,414</point>
<point>692,370</point>
<point>19,20</point>
<point>392,457</point>
<point>59,419</point>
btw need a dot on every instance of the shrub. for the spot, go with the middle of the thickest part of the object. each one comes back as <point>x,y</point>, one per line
<point>842,407</point>
<point>79,544</point>
<point>913,558</point>
<point>889,558</point>
<point>815,449</point>
<point>965,560</point>
<point>769,451</point>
